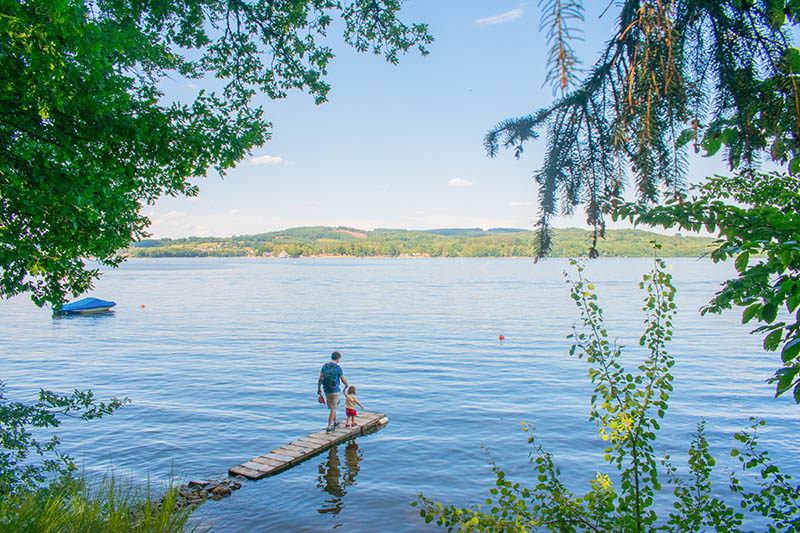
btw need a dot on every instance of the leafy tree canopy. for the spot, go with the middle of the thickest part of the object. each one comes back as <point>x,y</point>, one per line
<point>677,75</point>
<point>87,139</point>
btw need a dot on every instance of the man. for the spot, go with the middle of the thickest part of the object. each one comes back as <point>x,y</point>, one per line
<point>329,378</point>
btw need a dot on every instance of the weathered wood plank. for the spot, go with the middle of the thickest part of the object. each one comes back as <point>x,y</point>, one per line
<point>313,443</point>
<point>287,452</point>
<point>279,457</point>
<point>246,472</point>
<point>299,450</point>
<point>318,441</point>
<point>268,462</point>
<point>305,447</point>
<point>260,467</point>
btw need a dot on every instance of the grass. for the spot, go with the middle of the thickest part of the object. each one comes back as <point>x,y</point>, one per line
<point>77,505</point>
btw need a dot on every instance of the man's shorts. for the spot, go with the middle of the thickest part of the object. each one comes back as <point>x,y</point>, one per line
<point>333,400</point>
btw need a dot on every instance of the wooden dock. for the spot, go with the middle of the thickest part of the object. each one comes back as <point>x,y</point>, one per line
<point>288,456</point>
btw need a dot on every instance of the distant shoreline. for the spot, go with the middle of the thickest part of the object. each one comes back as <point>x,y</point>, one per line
<point>329,242</point>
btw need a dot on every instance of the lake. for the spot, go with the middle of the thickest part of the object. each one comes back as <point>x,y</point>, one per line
<point>220,358</point>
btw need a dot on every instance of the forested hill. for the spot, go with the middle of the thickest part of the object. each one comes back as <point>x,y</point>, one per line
<point>455,242</point>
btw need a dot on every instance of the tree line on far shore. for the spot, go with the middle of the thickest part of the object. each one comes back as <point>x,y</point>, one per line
<point>341,241</point>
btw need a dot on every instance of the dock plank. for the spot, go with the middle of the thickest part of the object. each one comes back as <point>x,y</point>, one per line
<point>258,467</point>
<point>302,445</point>
<point>317,441</point>
<point>246,472</point>
<point>279,457</point>
<point>265,461</point>
<point>285,452</point>
<point>296,449</point>
<point>303,448</point>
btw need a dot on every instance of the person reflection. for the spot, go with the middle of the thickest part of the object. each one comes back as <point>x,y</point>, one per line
<point>331,479</point>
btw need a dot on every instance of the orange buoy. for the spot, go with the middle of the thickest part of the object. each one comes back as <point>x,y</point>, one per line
<point>502,338</point>
<point>142,306</point>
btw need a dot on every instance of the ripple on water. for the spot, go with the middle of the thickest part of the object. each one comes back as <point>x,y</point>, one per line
<point>222,360</point>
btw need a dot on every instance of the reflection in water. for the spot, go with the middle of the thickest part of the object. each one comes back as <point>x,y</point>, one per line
<point>89,317</point>
<point>331,479</point>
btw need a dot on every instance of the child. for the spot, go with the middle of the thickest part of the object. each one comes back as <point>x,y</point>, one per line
<point>350,402</point>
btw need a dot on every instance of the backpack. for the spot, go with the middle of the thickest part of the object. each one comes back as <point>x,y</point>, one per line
<point>330,377</point>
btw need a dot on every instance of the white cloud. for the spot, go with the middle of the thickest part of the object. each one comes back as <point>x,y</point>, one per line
<point>175,214</point>
<point>521,204</point>
<point>266,160</point>
<point>459,182</point>
<point>235,211</point>
<point>502,18</point>
<point>193,85</point>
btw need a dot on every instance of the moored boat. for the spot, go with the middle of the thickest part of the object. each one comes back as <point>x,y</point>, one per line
<point>85,306</point>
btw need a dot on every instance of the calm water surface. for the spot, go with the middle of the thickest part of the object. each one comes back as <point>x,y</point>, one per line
<point>220,358</point>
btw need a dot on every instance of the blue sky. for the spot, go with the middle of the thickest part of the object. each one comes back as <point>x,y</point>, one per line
<point>397,146</point>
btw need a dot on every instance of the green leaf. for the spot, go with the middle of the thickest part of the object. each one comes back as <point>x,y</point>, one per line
<point>769,313</point>
<point>712,143</point>
<point>794,165</point>
<point>790,350</point>
<point>741,262</point>
<point>750,312</point>
<point>773,340</point>
<point>687,135</point>
<point>786,258</point>
<point>793,301</point>
<point>786,378</point>
<point>728,136</point>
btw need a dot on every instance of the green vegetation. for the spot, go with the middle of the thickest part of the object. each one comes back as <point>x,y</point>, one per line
<point>78,506</point>
<point>719,76</point>
<point>500,242</point>
<point>17,441</point>
<point>764,221</point>
<point>38,490</point>
<point>677,75</point>
<point>627,407</point>
<point>87,139</point>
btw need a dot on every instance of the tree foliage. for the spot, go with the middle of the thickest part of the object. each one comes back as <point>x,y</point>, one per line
<point>320,240</point>
<point>757,217</point>
<point>87,138</point>
<point>677,75</point>
<point>18,443</point>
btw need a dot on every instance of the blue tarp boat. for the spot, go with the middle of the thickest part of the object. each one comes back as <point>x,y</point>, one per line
<point>87,305</point>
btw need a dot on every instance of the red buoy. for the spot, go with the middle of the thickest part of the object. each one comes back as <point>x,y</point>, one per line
<point>502,337</point>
